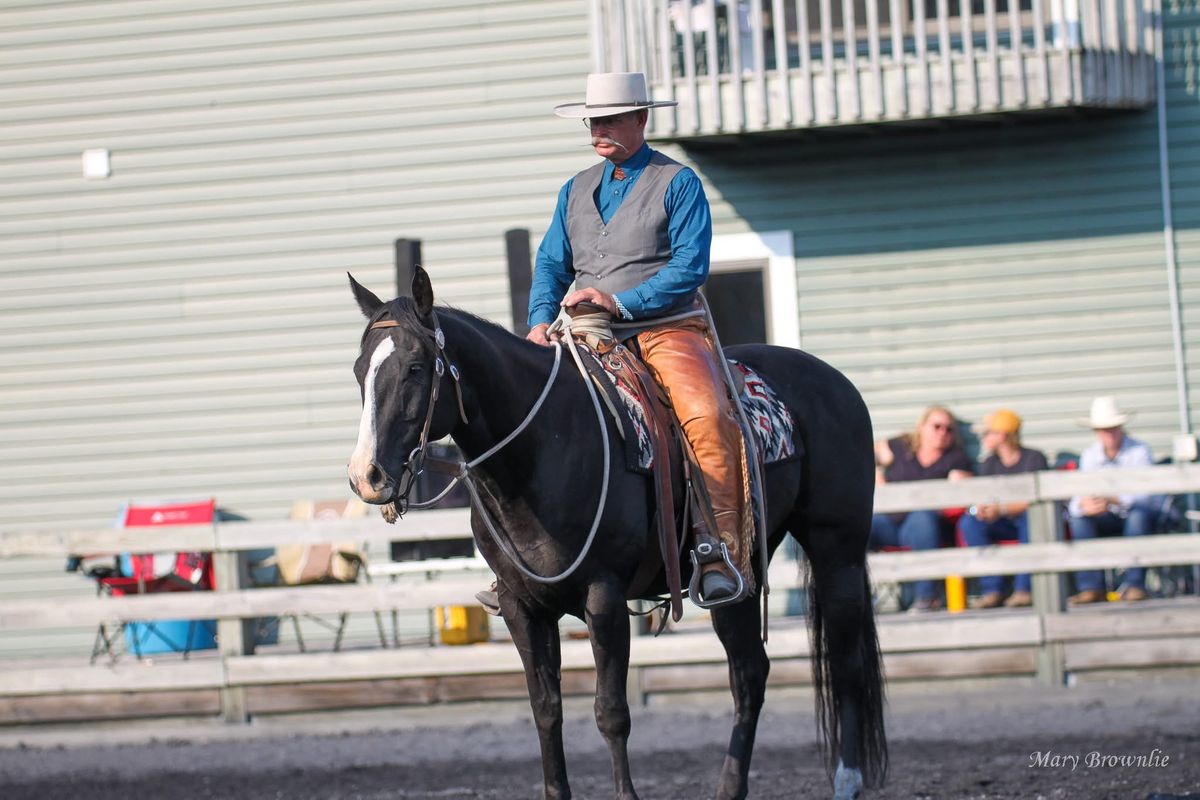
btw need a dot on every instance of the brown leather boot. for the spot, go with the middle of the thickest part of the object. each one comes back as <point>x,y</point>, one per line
<point>716,584</point>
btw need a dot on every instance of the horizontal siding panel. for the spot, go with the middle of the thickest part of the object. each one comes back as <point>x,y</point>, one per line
<point>1001,312</point>
<point>377,160</point>
<point>332,316</point>
<point>151,160</point>
<point>1016,373</point>
<point>346,76</point>
<point>1044,333</point>
<point>233,122</point>
<point>383,194</point>
<point>86,21</point>
<point>246,454</point>
<point>272,479</point>
<point>165,47</point>
<point>336,79</point>
<point>1071,255</point>
<point>266,495</point>
<point>957,347</point>
<point>352,213</point>
<point>202,437</point>
<point>970,290</point>
<point>276,310</point>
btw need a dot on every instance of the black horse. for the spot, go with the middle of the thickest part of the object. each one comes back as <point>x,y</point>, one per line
<point>542,490</point>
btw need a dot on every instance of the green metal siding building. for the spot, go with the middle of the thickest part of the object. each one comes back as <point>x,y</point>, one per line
<point>182,325</point>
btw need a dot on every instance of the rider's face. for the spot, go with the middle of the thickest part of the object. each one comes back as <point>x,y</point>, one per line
<point>618,137</point>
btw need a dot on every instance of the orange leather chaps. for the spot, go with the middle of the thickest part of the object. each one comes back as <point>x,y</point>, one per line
<point>683,360</point>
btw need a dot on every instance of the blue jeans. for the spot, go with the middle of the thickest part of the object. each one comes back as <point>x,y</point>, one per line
<point>977,533</point>
<point>1140,522</point>
<point>920,530</point>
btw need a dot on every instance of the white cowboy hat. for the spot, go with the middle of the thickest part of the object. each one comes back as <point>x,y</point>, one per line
<point>1106,414</point>
<point>612,93</point>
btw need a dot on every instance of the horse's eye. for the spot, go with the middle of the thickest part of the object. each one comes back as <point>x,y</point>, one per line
<point>415,369</point>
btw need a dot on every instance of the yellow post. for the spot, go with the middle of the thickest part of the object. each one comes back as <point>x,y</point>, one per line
<point>956,594</point>
<point>462,624</point>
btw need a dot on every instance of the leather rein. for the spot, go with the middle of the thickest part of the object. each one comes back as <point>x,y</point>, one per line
<point>461,470</point>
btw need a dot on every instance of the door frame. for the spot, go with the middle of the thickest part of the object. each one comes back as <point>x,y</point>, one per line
<point>774,253</point>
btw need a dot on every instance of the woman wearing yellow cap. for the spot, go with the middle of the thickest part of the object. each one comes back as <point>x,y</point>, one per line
<point>986,524</point>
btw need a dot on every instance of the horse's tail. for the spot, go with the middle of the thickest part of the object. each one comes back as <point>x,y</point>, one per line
<point>865,684</point>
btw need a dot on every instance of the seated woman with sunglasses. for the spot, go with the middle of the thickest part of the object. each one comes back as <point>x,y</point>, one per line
<point>932,452</point>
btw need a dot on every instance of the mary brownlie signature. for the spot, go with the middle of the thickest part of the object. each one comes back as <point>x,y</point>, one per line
<point>1049,759</point>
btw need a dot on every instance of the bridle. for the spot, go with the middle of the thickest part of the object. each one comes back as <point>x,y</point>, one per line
<point>412,464</point>
<point>418,460</point>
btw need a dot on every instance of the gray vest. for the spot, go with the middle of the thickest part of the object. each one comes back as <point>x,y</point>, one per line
<point>635,244</point>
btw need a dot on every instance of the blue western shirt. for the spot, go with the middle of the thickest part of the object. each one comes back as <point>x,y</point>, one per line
<point>689,228</point>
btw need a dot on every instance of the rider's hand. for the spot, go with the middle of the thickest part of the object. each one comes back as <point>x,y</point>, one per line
<point>537,334</point>
<point>591,295</point>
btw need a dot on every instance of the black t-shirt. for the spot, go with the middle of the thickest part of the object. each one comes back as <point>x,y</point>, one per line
<point>906,467</point>
<point>1030,461</point>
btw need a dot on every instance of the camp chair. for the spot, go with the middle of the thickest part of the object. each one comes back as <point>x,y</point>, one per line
<point>148,573</point>
<point>323,563</point>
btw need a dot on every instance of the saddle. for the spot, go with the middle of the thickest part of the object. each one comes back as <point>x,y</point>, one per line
<point>667,469</point>
<point>658,447</point>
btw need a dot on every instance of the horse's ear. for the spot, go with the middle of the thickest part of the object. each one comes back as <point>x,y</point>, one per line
<point>422,292</point>
<point>367,301</point>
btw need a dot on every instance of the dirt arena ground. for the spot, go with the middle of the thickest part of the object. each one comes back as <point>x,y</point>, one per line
<point>980,740</point>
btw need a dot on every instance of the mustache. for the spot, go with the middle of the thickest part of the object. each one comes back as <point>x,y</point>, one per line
<point>608,140</point>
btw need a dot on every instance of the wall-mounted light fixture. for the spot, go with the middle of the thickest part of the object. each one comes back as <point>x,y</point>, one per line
<point>96,164</point>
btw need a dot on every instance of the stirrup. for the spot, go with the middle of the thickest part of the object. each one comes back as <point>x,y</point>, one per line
<point>705,553</point>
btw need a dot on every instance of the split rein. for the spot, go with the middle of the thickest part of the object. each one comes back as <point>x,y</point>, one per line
<point>461,470</point>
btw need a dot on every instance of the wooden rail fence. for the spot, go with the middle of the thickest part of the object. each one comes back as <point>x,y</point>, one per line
<point>1047,639</point>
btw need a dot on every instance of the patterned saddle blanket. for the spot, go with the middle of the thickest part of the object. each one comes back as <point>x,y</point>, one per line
<point>769,418</point>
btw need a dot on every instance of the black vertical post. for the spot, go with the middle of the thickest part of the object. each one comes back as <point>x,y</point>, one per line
<point>520,276</point>
<point>408,256</point>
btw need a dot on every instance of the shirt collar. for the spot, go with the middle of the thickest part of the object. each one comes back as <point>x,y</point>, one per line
<point>635,163</point>
<point>1124,446</point>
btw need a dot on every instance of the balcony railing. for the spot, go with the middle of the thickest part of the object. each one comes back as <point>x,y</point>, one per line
<point>738,66</point>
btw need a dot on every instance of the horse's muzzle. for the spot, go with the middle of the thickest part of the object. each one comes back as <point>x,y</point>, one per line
<point>373,485</point>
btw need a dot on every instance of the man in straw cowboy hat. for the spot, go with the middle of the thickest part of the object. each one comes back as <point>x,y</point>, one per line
<point>1126,514</point>
<point>633,234</point>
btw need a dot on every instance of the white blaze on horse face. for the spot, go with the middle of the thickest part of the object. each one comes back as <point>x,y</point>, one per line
<point>364,451</point>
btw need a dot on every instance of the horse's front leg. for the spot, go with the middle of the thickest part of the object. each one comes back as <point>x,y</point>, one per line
<point>536,638</point>
<point>738,626</point>
<point>608,623</point>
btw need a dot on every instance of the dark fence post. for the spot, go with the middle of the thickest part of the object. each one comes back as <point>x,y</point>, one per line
<point>520,276</point>
<point>408,256</point>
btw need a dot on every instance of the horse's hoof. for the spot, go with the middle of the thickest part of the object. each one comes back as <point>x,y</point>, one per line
<point>389,513</point>
<point>847,783</point>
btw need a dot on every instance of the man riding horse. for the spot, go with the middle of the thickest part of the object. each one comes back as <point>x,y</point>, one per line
<point>633,234</point>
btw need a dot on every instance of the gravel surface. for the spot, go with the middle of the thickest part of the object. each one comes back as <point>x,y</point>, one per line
<point>979,739</point>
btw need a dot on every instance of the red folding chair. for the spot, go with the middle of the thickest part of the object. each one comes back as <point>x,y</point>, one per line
<point>148,573</point>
